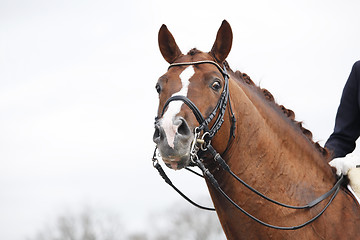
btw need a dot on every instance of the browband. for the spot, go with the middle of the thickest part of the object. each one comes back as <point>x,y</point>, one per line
<point>223,71</point>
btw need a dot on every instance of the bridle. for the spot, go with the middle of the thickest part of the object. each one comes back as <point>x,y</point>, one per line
<point>201,146</point>
<point>208,133</point>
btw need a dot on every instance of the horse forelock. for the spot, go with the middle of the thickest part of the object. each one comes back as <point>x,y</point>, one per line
<point>193,52</point>
<point>288,113</point>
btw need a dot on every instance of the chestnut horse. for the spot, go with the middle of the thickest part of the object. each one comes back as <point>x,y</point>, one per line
<point>265,147</point>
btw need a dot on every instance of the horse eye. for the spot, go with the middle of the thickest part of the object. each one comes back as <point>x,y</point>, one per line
<point>216,85</point>
<point>158,88</point>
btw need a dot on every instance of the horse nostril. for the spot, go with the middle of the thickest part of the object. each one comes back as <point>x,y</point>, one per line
<point>157,134</point>
<point>183,127</point>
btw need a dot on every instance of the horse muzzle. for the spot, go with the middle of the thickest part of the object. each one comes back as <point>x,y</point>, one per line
<point>173,139</point>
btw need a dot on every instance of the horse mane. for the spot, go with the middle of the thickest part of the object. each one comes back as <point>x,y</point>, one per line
<point>287,112</point>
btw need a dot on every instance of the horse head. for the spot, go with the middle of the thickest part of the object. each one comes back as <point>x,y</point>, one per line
<point>202,84</point>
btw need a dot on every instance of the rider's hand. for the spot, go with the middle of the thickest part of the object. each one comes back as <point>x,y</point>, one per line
<point>344,164</point>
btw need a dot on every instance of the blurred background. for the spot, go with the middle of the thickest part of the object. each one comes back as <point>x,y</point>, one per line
<point>78,101</point>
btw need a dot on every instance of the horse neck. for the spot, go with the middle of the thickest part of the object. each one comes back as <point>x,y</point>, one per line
<point>269,148</point>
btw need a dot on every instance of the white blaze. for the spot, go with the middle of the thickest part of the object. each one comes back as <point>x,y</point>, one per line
<point>175,106</point>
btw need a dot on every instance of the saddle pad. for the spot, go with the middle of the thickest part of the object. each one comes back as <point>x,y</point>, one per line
<point>353,193</point>
<point>354,185</point>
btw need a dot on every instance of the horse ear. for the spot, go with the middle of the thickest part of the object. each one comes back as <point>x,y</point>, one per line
<point>223,42</point>
<point>168,47</point>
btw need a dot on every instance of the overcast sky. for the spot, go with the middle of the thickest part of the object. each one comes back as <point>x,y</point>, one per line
<point>77,96</point>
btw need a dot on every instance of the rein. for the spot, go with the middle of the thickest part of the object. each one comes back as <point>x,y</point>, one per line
<point>206,147</point>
